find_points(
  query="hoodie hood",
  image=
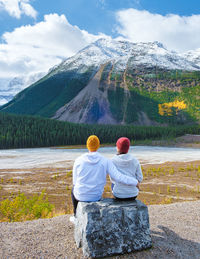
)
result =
(92, 157)
(123, 159)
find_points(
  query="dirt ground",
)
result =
(174, 231)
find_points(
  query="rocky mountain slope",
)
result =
(117, 82)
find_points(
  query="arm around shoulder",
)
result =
(118, 177)
(139, 174)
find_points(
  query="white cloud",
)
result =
(16, 8)
(28, 9)
(180, 33)
(41, 46)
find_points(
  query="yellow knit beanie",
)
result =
(93, 143)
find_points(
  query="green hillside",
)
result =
(47, 95)
(140, 96)
(20, 131)
(147, 89)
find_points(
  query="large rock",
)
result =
(111, 227)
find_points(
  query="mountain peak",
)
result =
(122, 52)
(159, 45)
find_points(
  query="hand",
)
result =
(138, 186)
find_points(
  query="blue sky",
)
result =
(97, 15)
(37, 34)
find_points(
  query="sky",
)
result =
(38, 34)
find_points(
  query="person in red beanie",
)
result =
(128, 165)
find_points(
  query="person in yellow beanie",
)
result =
(93, 143)
(89, 174)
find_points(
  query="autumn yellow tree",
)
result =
(166, 109)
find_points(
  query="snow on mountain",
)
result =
(154, 54)
(193, 56)
(122, 53)
(10, 87)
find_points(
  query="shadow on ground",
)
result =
(168, 245)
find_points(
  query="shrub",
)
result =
(69, 173)
(22, 208)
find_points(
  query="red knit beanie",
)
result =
(123, 145)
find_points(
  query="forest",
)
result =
(25, 131)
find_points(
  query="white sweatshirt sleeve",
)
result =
(139, 174)
(118, 177)
(74, 172)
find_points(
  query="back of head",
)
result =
(123, 145)
(93, 143)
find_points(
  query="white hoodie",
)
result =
(89, 176)
(128, 165)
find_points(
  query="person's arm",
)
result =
(118, 177)
(111, 179)
(74, 172)
(139, 174)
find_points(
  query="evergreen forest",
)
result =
(25, 131)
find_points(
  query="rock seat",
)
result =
(111, 227)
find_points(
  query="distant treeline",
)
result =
(17, 131)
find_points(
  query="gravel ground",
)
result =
(175, 230)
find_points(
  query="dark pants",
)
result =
(126, 199)
(74, 201)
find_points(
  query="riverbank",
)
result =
(187, 140)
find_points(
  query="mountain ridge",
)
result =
(127, 78)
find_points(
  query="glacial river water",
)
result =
(49, 157)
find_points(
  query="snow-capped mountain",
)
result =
(122, 52)
(10, 87)
(111, 81)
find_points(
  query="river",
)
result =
(50, 157)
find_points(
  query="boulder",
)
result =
(110, 227)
